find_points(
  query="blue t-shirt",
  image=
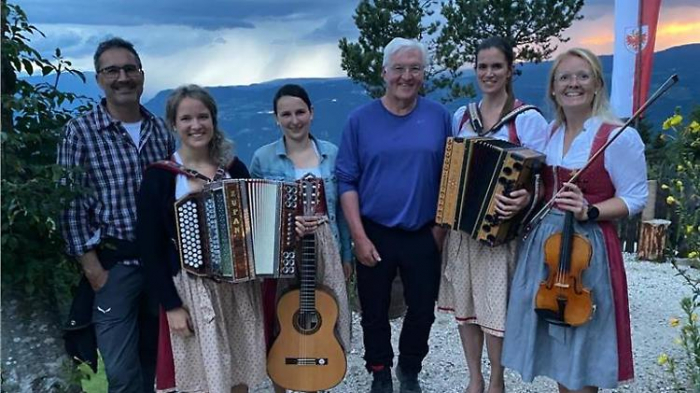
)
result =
(394, 162)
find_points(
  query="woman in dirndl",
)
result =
(597, 354)
(214, 328)
(475, 276)
(293, 156)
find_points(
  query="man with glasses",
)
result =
(388, 168)
(111, 146)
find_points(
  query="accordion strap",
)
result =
(177, 168)
(513, 114)
(473, 116)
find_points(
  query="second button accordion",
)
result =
(474, 171)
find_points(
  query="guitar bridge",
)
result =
(306, 361)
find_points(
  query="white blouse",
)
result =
(530, 126)
(623, 160)
(182, 186)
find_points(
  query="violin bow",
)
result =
(537, 218)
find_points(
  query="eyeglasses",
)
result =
(414, 70)
(582, 77)
(113, 72)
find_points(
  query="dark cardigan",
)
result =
(155, 231)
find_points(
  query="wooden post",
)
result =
(649, 212)
(652, 240)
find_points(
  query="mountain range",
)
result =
(245, 112)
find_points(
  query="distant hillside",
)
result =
(246, 111)
(72, 83)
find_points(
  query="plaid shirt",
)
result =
(112, 167)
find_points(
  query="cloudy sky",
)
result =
(239, 42)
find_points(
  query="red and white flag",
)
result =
(635, 34)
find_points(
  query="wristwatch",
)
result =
(592, 213)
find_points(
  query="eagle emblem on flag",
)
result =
(636, 38)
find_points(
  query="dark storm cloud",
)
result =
(333, 29)
(204, 14)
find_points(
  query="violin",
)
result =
(562, 299)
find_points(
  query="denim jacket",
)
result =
(271, 162)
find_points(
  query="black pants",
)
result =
(415, 255)
(126, 325)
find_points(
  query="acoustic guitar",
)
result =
(306, 356)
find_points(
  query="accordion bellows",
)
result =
(238, 229)
(473, 172)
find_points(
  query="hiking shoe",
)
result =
(409, 381)
(382, 381)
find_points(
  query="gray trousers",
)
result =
(127, 331)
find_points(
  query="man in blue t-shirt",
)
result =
(388, 170)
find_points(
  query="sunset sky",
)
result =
(679, 23)
(238, 42)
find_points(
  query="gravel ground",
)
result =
(655, 293)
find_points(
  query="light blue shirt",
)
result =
(271, 162)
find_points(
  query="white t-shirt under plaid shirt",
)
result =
(110, 166)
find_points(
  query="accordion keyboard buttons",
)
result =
(191, 248)
(290, 201)
(290, 197)
(210, 211)
(288, 262)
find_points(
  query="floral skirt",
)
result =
(475, 281)
(228, 345)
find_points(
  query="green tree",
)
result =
(533, 27)
(379, 21)
(36, 276)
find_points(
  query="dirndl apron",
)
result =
(573, 356)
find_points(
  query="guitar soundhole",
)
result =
(307, 322)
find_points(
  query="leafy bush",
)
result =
(32, 120)
(682, 144)
(682, 164)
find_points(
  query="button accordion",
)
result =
(473, 172)
(238, 229)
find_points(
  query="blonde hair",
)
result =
(601, 105)
(220, 148)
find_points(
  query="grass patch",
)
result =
(93, 382)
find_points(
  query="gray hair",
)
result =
(399, 44)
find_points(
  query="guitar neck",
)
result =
(307, 291)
